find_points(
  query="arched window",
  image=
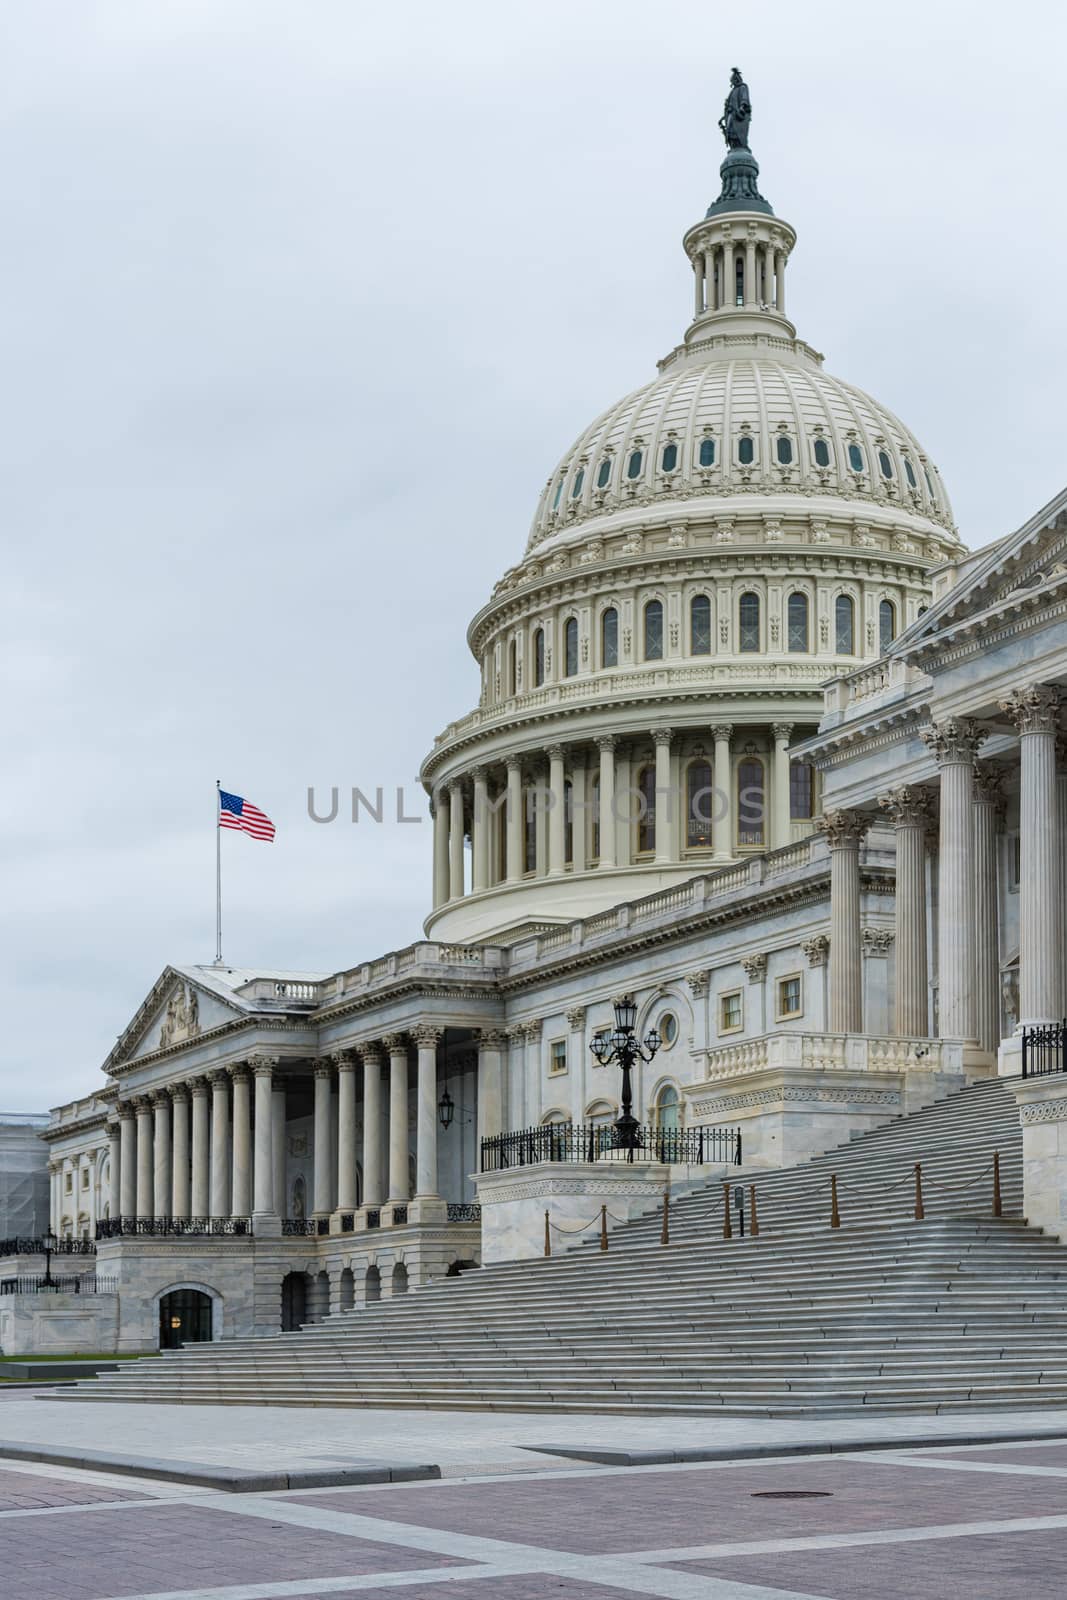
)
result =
(748, 617)
(797, 618)
(700, 625)
(746, 450)
(579, 479)
(801, 790)
(646, 815)
(739, 275)
(822, 453)
(930, 484)
(784, 450)
(844, 625)
(887, 625)
(910, 471)
(884, 463)
(594, 808)
(706, 455)
(512, 667)
(699, 805)
(855, 458)
(750, 802)
(669, 459)
(529, 815)
(609, 638)
(668, 1109)
(603, 476)
(633, 466)
(568, 822)
(570, 647)
(539, 658)
(559, 491)
(654, 630)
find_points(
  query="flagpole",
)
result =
(218, 876)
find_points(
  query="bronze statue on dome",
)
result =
(736, 113)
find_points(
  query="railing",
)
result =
(374, 1219)
(594, 1141)
(464, 1211)
(35, 1247)
(86, 1283)
(299, 1227)
(400, 1215)
(1044, 1049)
(172, 1227)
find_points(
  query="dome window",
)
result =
(633, 466)
(784, 450)
(646, 810)
(797, 618)
(845, 625)
(570, 647)
(750, 801)
(929, 485)
(706, 455)
(910, 470)
(746, 450)
(654, 631)
(609, 638)
(699, 805)
(885, 464)
(700, 625)
(855, 458)
(539, 658)
(556, 496)
(887, 625)
(670, 457)
(604, 474)
(748, 617)
(579, 479)
(801, 791)
(822, 453)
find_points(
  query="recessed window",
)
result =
(700, 625)
(68, 1184)
(646, 810)
(570, 647)
(539, 657)
(512, 667)
(555, 498)
(887, 625)
(654, 631)
(568, 822)
(85, 1177)
(557, 1057)
(789, 996)
(801, 791)
(822, 453)
(731, 1015)
(669, 459)
(784, 450)
(844, 625)
(706, 454)
(529, 813)
(855, 458)
(910, 473)
(885, 465)
(797, 616)
(604, 473)
(609, 638)
(746, 450)
(929, 484)
(633, 466)
(667, 1028)
(748, 618)
(750, 803)
(668, 1108)
(699, 805)
(579, 479)
(594, 806)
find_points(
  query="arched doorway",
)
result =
(348, 1289)
(294, 1301)
(184, 1318)
(372, 1288)
(400, 1278)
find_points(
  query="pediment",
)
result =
(176, 1011)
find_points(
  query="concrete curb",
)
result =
(232, 1480)
(607, 1457)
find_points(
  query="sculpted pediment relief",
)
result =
(176, 1011)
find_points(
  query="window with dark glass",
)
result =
(748, 618)
(910, 471)
(929, 484)
(530, 830)
(594, 806)
(568, 823)
(654, 631)
(844, 625)
(822, 453)
(604, 473)
(699, 804)
(670, 457)
(887, 625)
(801, 790)
(700, 625)
(784, 448)
(559, 491)
(646, 809)
(739, 275)
(885, 464)
(609, 638)
(797, 623)
(570, 647)
(539, 657)
(512, 666)
(668, 1112)
(633, 466)
(746, 450)
(706, 456)
(750, 802)
(855, 458)
(579, 479)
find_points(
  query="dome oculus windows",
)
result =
(700, 625)
(748, 619)
(706, 453)
(604, 473)
(855, 458)
(654, 630)
(822, 453)
(746, 450)
(667, 1028)
(910, 472)
(669, 458)
(579, 479)
(633, 466)
(783, 449)
(885, 464)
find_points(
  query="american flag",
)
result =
(241, 814)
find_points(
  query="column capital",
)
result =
(954, 742)
(698, 982)
(517, 1033)
(1035, 709)
(782, 731)
(513, 763)
(219, 1078)
(142, 1105)
(755, 967)
(722, 730)
(662, 736)
(843, 830)
(426, 1034)
(239, 1072)
(876, 941)
(396, 1043)
(323, 1069)
(493, 1039)
(907, 806)
(554, 752)
(343, 1060)
(532, 1030)
(371, 1052)
(198, 1087)
(576, 1019)
(125, 1110)
(817, 950)
(478, 773)
(178, 1091)
(263, 1066)
(160, 1097)
(989, 785)
(606, 742)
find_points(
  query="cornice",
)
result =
(973, 636)
(269, 1021)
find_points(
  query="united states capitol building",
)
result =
(759, 742)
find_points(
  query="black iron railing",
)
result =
(1044, 1049)
(173, 1227)
(400, 1216)
(67, 1283)
(322, 1226)
(299, 1227)
(464, 1211)
(589, 1141)
(374, 1219)
(35, 1247)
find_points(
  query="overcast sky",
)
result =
(299, 305)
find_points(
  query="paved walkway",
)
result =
(983, 1523)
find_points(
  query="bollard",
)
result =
(665, 1231)
(548, 1235)
(727, 1231)
(603, 1227)
(835, 1215)
(996, 1183)
(753, 1219)
(920, 1214)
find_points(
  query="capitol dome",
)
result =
(708, 554)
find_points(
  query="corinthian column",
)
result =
(665, 796)
(161, 1165)
(606, 746)
(722, 832)
(241, 1189)
(345, 1062)
(557, 817)
(220, 1144)
(455, 841)
(513, 821)
(114, 1142)
(440, 848)
(1035, 711)
(399, 1183)
(127, 1166)
(179, 1201)
(844, 831)
(264, 1201)
(145, 1166)
(988, 812)
(910, 813)
(480, 831)
(372, 1125)
(781, 822)
(323, 1197)
(955, 743)
(426, 1038)
(201, 1190)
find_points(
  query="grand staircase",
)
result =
(958, 1311)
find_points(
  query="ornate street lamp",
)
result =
(446, 1109)
(50, 1243)
(622, 1047)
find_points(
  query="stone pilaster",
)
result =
(606, 748)
(909, 810)
(955, 743)
(114, 1198)
(1035, 712)
(491, 1047)
(514, 845)
(557, 816)
(844, 830)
